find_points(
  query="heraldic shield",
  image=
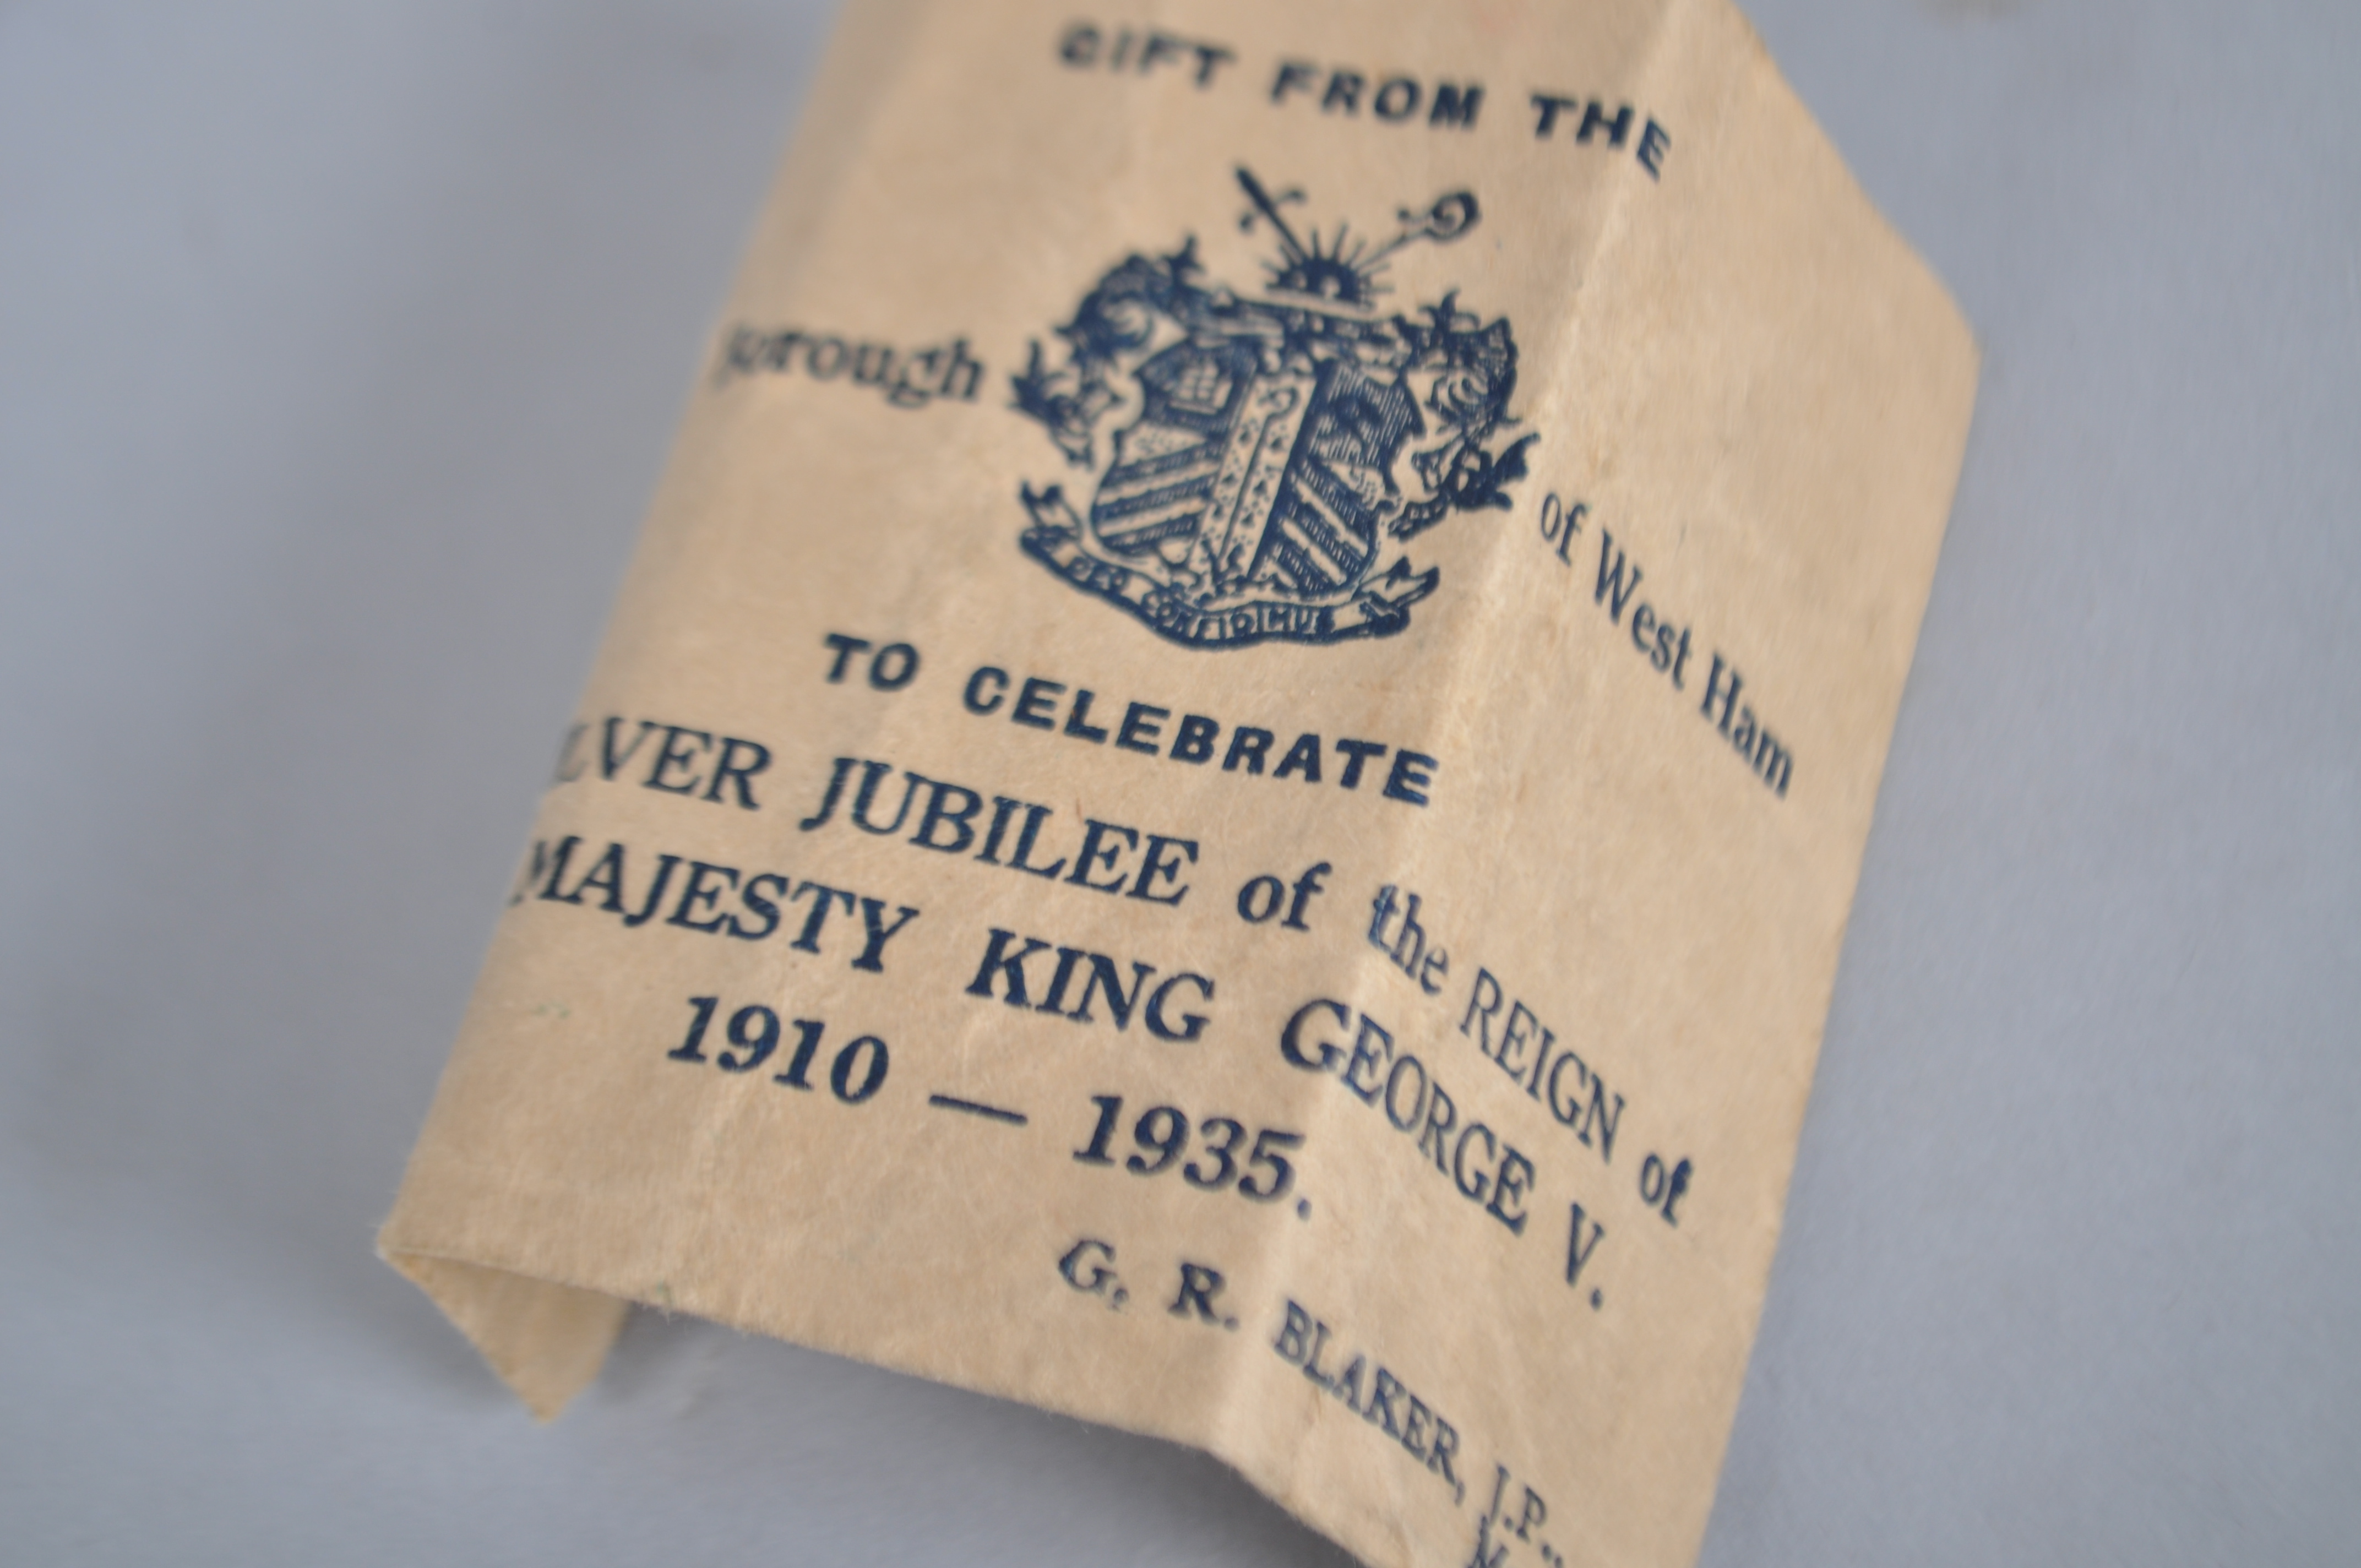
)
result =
(1271, 457)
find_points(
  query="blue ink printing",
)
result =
(1279, 453)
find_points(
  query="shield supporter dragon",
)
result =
(1272, 457)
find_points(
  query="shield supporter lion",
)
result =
(1271, 457)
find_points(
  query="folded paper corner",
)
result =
(546, 1341)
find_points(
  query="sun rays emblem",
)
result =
(1272, 456)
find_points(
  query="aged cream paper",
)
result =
(1225, 794)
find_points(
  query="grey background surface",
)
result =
(339, 349)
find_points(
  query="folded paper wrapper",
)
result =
(1374, 550)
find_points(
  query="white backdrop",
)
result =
(340, 346)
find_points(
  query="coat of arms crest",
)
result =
(1274, 454)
